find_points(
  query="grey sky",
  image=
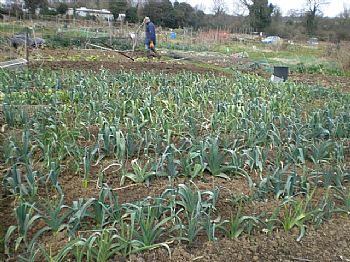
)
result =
(332, 9)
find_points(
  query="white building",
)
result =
(8, 3)
(84, 12)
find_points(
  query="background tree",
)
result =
(131, 14)
(277, 27)
(199, 19)
(168, 16)
(345, 14)
(341, 25)
(219, 7)
(34, 4)
(259, 13)
(313, 8)
(62, 8)
(185, 15)
(118, 7)
(153, 9)
(161, 12)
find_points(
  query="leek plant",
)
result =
(297, 213)
(238, 223)
(140, 174)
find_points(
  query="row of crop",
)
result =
(102, 229)
(154, 154)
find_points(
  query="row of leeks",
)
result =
(103, 228)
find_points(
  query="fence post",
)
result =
(110, 32)
(26, 45)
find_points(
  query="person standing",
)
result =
(150, 39)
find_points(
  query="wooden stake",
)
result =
(26, 46)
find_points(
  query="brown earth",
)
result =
(330, 242)
(340, 82)
(6, 218)
(160, 66)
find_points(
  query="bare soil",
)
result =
(327, 243)
(6, 218)
(340, 82)
(151, 66)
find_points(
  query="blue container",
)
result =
(173, 35)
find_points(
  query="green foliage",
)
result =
(33, 4)
(25, 221)
(140, 174)
(260, 14)
(101, 246)
(323, 69)
(297, 213)
(62, 8)
(175, 15)
(55, 214)
(343, 195)
(118, 7)
(56, 41)
(215, 159)
(131, 15)
(270, 223)
(238, 224)
(24, 185)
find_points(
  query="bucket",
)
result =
(173, 35)
(281, 72)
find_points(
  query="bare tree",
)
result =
(219, 7)
(313, 8)
(245, 3)
(200, 7)
(239, 8)
(345, 14)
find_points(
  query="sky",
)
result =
(332, 9)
